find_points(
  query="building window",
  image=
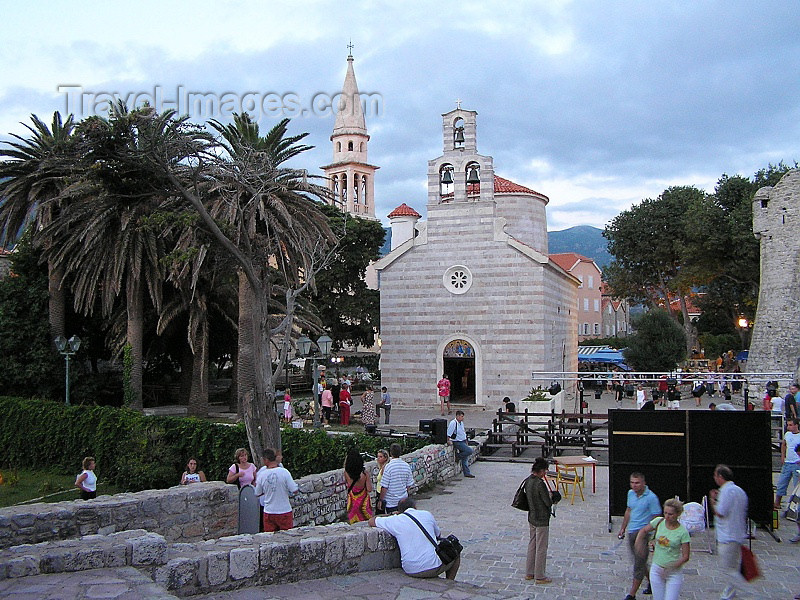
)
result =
(586, 304)
(596, 305)
(585, 329)
(591, 282)
(350, 146)
(581, 278)
(597, 328)
(457, 279)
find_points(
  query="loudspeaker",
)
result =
(439, 432)
(426, 426)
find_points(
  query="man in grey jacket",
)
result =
(540, 503)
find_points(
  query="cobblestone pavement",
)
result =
(125, 583)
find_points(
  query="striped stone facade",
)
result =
(518, 313)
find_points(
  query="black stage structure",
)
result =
(677, 451)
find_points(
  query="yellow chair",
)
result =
(566, 476)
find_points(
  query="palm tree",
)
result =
(108, 240)
(33, 173)
(272, 217)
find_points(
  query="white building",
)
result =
(472, 292)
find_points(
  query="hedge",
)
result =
(137, 452)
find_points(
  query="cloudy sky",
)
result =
(595, 104)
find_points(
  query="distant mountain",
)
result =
(583, 239)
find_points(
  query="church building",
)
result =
(471, 292)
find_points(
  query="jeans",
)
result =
(463, 452)
(665, 583)
(788, 470)
(387, 410)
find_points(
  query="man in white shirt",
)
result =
(417, 552)
(729, 504)
(457, 436)
(789, 458)
(274, 485)
(397, 480)
(385, 404)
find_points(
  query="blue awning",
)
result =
(601, 354)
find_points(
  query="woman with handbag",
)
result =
(540, 503)
(671, 551)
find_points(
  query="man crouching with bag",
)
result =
(416, 533)
(540, 504)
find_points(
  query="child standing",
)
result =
(287, 405)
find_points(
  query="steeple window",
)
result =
(446, 190)
(349, 146)
(472, 179)
(355, 189)
(458, 134)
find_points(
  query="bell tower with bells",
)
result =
(460, 174)
(350, 177)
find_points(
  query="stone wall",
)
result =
(227, 563)
(188, 546)
(775, 346)
(200, 511)
(323, 497)
(180, 514)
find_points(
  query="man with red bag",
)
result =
(729, 504)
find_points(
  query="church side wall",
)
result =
(526, 219)
(511, 310)
(775, 345)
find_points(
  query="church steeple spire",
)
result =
(350, 114)
(350, 176)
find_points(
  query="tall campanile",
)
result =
(350, 177)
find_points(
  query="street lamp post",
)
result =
(319, 349)
(67, 348)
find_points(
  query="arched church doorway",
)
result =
(458, 359)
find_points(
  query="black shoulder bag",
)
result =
(448, 549)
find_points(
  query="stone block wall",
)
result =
(232, 562)
(323, 497)
(179, 514)
(200, 511)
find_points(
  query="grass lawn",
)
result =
(20, 485)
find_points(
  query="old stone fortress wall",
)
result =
(184, 537)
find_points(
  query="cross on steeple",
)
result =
(350, 48)
(458, 104)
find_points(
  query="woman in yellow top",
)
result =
(671, 541)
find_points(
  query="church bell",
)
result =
(447, 177)
(473, 176)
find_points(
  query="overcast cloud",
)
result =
(595, 104)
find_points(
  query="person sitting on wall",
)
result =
(191, 474)
(417, 553)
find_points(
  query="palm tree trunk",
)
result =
(245, 370)
(255, 387)
(56, 300)
(198, 395)
(135, 309)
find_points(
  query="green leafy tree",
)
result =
(647, 242)
(659, 343)
(348, 309)
(29, 366)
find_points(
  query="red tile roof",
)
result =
(567, 260)
(404, 210)
(505, 186)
